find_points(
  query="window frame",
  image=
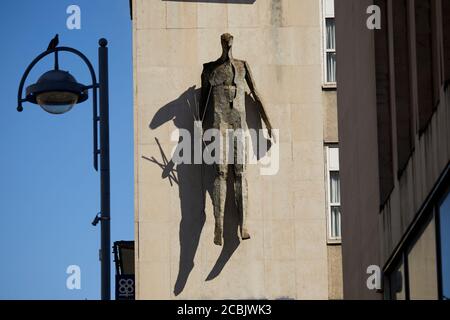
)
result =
(329, 204)
(427, 213)
(324, 16)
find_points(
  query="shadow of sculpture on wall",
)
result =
(215, 1)
(167, 167)
(194, 182)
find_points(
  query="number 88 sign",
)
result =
(124, 287)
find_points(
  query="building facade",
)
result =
(294, 214)
(394, 129)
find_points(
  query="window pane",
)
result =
(335, 189)
(384, 120)
(424, 62)
(446, 34)
(331, 66)
(333, 158)
(402, 79)
(444, 216)
(422, 265)
(397, 283)
(335, 222)
(331, 33)
(329, 8)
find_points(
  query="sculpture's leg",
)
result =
(240, 183)
(219, 197)
(240, 193)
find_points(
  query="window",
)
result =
(415, 277)
(333, 194)
(329, 27)
(422, 267)
(446, 34)
(425, 61)
(444, 222)
(402, 83)
(384, 120)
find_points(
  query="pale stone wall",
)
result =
(330, 128)
(287, 254)
(335, 285)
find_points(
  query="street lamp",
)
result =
(57, 91)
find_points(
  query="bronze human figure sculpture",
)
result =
(223, 99)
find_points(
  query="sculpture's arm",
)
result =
(257, 97)
(251, 82)
(204, 93)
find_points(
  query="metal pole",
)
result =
(105, 254)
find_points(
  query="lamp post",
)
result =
(57, 91)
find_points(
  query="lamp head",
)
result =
(56, 91)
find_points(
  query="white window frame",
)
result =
(324, 16)
(330, 168)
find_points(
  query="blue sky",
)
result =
(49, 191)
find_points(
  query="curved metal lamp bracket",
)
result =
(93, 86)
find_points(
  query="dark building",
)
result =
(394, 133)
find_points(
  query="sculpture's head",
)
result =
(227, 41)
